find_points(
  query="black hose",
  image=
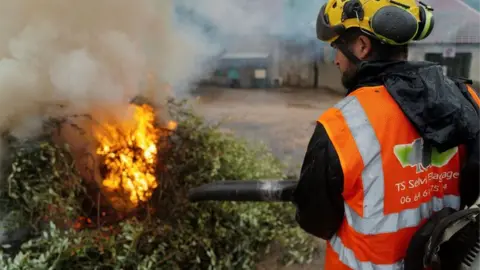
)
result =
(248, 190)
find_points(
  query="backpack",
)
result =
(450, 239)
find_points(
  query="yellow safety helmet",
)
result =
(395, 22)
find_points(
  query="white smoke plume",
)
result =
(95, 54)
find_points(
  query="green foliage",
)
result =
(41, 176)
(179, 235)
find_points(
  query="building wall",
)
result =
(329, 77)
(258, 44)
(417, 53)
(296, 69)
(246, 68)
(298, 73)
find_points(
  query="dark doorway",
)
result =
(458, 66)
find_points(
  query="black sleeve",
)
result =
(469, 185)
(318, 196)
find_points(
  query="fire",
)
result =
(172, 125)
(129, 153)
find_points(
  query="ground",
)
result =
(282, 118)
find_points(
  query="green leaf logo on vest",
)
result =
(422, 156)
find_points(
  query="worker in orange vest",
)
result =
(389, 155)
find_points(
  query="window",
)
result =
(458, 66)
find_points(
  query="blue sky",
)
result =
(473, 3)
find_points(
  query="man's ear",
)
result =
(363, 47)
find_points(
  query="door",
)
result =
(458, 66)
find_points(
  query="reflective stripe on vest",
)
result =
(347, 257)
(368, 228)
(373, 181)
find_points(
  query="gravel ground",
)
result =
(284, 119)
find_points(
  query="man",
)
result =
(390, 154)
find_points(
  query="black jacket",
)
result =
(441, 110)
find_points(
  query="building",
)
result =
(243, 70)
(285, 52)
(304, 60)
(249, 43)
(455, 40)
(289, 55)
(252, 59)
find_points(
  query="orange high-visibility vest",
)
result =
(392, 182)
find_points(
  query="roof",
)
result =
(473, 3)
(455, 22)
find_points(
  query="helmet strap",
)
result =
(341, 45)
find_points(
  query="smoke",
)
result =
(59, 57)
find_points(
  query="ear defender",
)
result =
(394, 25)
(426, 23)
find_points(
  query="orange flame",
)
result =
(172, 125)
(130, 156)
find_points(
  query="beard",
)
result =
(349, 78)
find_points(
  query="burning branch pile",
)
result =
(130, 160)
(130, 157)
(148, 167)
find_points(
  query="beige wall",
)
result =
(296, 69)
(298, 73)
(329, 76)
